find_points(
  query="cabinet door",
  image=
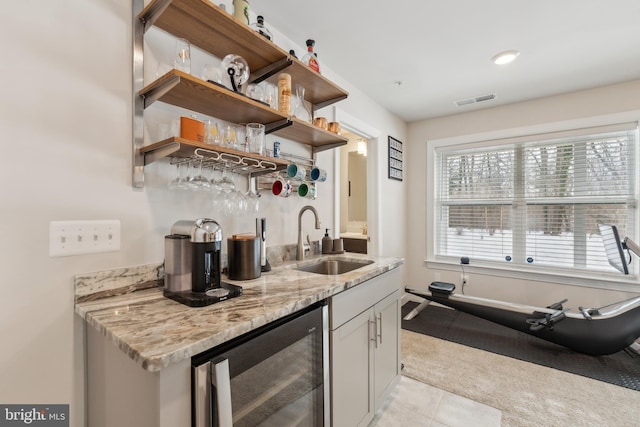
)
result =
(351, 372)
(387, 353)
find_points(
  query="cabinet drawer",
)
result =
(348, 304)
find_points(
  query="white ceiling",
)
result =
(441, 49)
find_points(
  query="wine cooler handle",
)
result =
(221, 382)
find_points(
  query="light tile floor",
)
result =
(413, 403)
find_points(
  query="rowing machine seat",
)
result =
(442, 289)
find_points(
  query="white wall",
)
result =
(585, 107)
(65, 120)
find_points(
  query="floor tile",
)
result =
(456, 411)
(413, 403)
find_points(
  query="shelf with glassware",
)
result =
(240, 162)
(184, 90)
(214, 30)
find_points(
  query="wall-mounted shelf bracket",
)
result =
(277, 125)
(158, 92)
(160, 153)
(323, 104)
(152, 13)
(268, 71)
(318, 149)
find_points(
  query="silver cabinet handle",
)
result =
(380, 328)
(374, 323)
(221, 381)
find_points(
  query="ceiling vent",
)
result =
(475, 100)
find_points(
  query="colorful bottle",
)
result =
(310, 59)
(241, 11)
(260, 28)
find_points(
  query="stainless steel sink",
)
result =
(330, 267)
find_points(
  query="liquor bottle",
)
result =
(310, 59)
(260, 28)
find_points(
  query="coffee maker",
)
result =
(192, 265)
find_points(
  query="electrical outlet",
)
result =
(83, 237)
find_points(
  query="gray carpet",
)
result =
(621, 369)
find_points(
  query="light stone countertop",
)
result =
(127, 306)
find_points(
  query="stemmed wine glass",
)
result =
(216, 188)
(252, 198)
(225, 182)
(180, 182)
(200, 181)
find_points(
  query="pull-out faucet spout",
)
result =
(300, 248)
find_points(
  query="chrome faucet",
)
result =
(300, 248)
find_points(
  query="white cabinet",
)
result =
(387, 346)
(365, 348)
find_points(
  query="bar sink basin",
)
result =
(330, 267)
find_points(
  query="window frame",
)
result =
(604, 280)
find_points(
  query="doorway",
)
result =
(353, 201)
(364, 185)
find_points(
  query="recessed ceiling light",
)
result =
(505, 57)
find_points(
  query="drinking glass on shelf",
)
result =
(229, 136)
(256, 92)
(270, 95)
(241, 140)
(255, 138)
(183, 55)
(301, 110)
(212, 136)
(212, 74)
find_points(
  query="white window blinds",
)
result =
(537, 200)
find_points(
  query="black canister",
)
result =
(243, 256)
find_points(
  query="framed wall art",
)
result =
(395, 159)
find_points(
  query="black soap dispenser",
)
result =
(327, 243)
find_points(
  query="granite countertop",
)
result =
(127, 306)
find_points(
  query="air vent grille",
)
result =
(481, 98)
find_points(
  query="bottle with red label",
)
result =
(310, 59)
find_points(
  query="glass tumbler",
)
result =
(255, 137)
(183, 55)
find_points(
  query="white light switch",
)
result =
(83, 237)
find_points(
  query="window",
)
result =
(536, 201)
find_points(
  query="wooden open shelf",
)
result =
(240, 161)
(215, 31)
(318, 138)
(186, 91)
(210, 28)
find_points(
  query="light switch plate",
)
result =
(83, 237)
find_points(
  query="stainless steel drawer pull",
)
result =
(221, 381)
